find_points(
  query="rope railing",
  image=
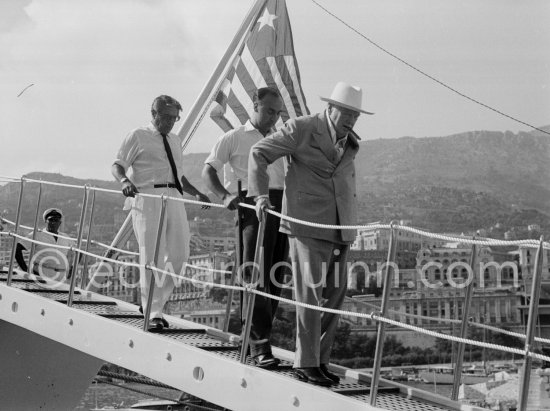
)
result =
(451, 321)
(251, 288)
(372, 315)
(462, 239)
(3, 219)
(491, 346)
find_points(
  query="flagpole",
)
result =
(206, 92)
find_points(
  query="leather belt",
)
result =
(169, 185)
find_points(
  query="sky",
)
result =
(95, 67)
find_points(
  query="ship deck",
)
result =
(190, 357)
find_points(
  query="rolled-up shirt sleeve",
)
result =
(221, 152)
(128, 151)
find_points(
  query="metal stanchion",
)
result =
(238, 259)
(464, 327)
(392, 252)
(147, 309)
(73, 269)
(33, 245)
(88, 238)
(16, 228)
(531, 323)
(250, 297)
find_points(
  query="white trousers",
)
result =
(174, 244)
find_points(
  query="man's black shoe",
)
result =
(164, 322)
(155, 325)
(266, 361)
(313, 375)
(330, 375)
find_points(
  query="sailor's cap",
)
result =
(52, 212)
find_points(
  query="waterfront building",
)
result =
(433, 291)
(201, 267)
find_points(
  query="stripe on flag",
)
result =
(267, 59)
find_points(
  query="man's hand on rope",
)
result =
(262, 205)
(128, 188)
(204, 199)
(231, 201)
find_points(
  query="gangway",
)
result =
(51, 352)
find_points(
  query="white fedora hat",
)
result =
(347, 96)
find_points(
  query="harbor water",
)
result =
(106, 395)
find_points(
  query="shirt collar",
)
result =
(249, 127)
(154, 130)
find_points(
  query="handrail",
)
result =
(463, 330)
(531, 323)
(463, 239)
(251, 291)
(381, 331)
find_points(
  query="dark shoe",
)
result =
(164, 322)
(330, 375)
(313, 375)
(155, 325)
(266, 361)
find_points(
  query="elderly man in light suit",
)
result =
(319, 188)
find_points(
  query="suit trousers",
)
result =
(270, 280)
(174, 244)
(320, 278)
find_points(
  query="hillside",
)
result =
(456, 183)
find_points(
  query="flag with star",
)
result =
(267, 58)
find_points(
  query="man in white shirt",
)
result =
(48, 260)
(231, 152)
(155, 157)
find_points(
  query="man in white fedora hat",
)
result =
(319, 188)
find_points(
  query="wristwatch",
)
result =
(123, 180)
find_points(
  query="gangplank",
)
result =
(51, 352)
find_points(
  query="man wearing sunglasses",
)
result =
(155, 158)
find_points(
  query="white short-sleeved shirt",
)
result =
(49, 256)
(143, 151)
(231, 152)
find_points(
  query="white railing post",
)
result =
(88, 239)
(15, 229)
(238, 259)
(36, 215)
(531, 323)
(147, 309)
(249, 297)
(392, 253)
(73, 269)
(464, 327)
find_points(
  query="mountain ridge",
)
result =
(456, 182)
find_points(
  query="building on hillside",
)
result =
(214, 243)
(210, 316)
(433, 291)
(379, 239)
(123, 282)
(214, 267)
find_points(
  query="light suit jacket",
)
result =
(318, 188)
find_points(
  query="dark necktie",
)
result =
(172, 163)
